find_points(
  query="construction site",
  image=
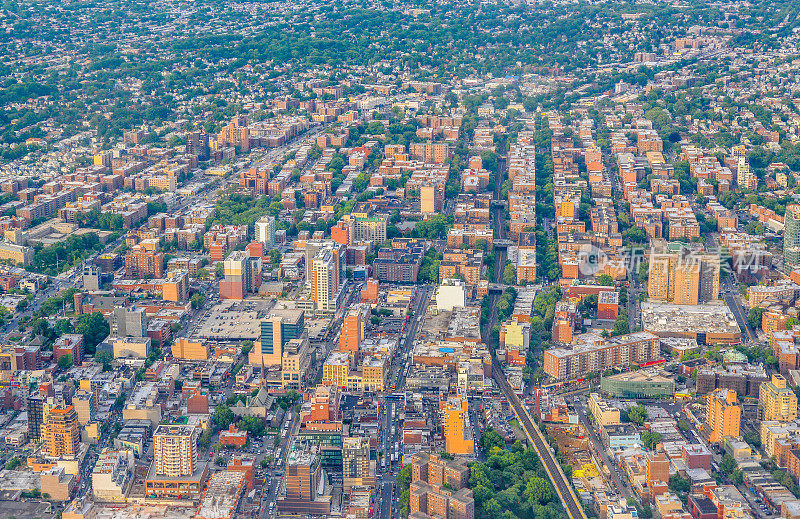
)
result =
(574, 448)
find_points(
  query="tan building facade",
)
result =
(436, 152)
(175, 450)
(590, 352)
(603, 413)
(356, 465)
(723, 415)
(776, 401)
(684, 278)
(62, 432)
(185, 349)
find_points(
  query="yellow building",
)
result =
(654, 157)
(686, 288)
(427, 197)
(723, 414)
(18, 254)
(771, 432)
(776, 401)
(336, 368)
(515, 335)
(603, 413)
(327, 207)
(372, 371)
(668, 504)
(131, 347)
(165, 183)
(565, 208)
(93, 431)
(355, 382)
(457, 430)
(399, 295)
(62, 432)
(103, 158)
(187, 350)
(294, 362)
(175, 450)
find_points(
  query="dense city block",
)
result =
(397, 259)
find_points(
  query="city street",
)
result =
(598, 449)
(257, 203)
(731, 295)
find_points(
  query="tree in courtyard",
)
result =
(727, 465)
(65, 361)
(222, 416)
(94, 329)
(650, 439)
(638, 415)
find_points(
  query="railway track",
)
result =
(563, 488)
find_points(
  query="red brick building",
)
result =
(233, 437)
(197, 403)
(608, 305)
(140, 263)
(69, 344)
(245, 465)
(370, 291)
(159, 330)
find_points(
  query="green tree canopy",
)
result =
(94, 329)
(222, 416)
(728, 464)
(490, 439)
(605, 280)
(510, 275)
(650, 439)
(65, 361)
(638, 415)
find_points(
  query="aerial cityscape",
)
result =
(399, 259)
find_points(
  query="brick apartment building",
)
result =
(429, 495)
(140, 263)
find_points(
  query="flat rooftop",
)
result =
(18, 480)
(28, 509)
(670, 318)
(302, 454)
(198, 475)
(235, 320)
(137, 511)
(679, 343)
(745, 370)
(465, 322)
(222, 494)
(591, 341)
(638, 376)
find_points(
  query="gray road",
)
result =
(730, 294)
